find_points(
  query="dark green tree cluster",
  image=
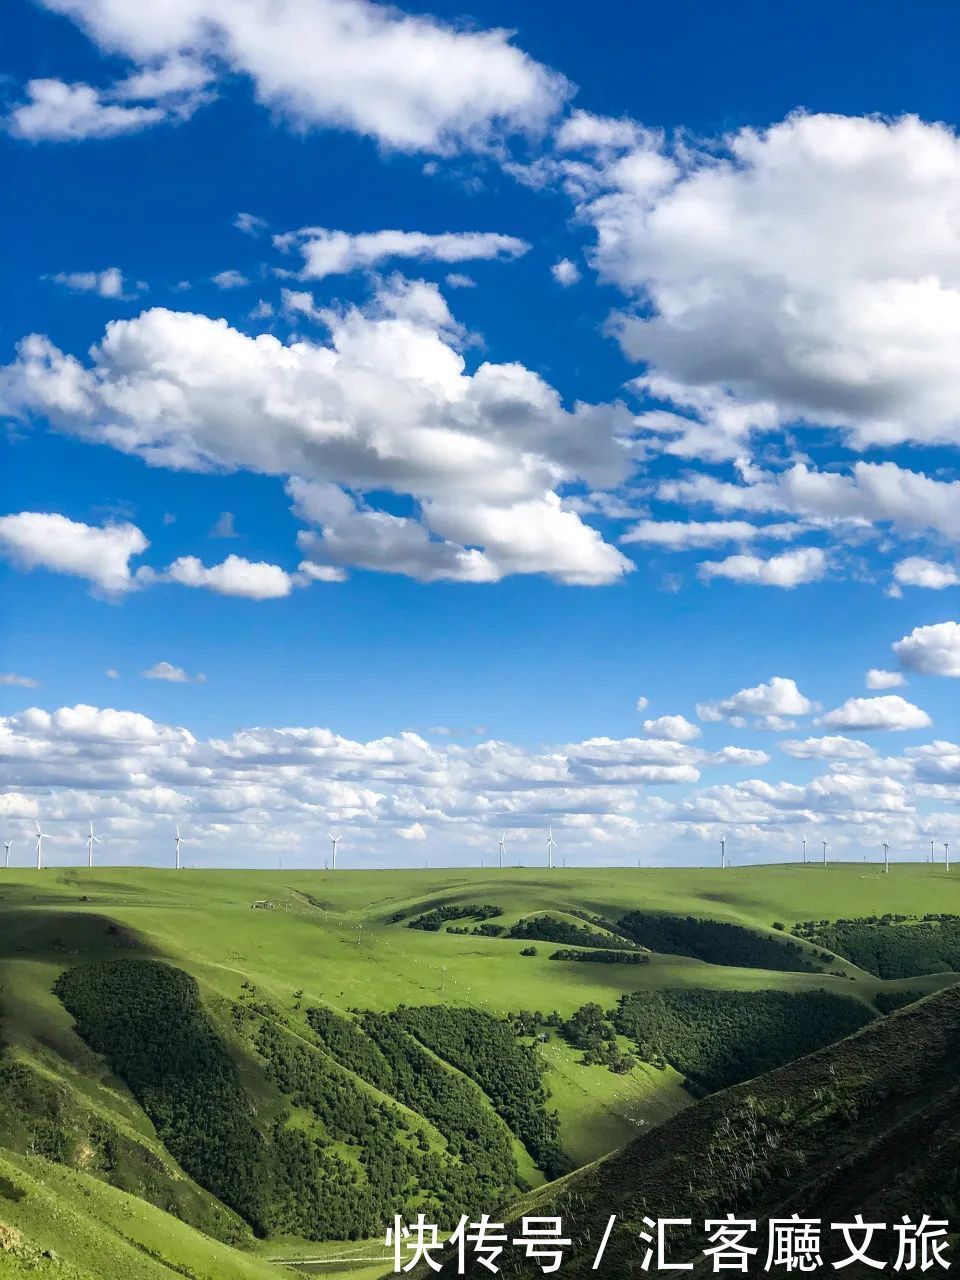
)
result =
(890, 1001)
(146, 1019)
(549, 929)
(714, 941)
(597, 956)
(434, 920)
(589, 1029)
(890, 946)
(510, 1073)
(478, 1166)
(718, 1038)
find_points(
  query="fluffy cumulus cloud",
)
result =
(809, 271)
(805, 564)
(872, 492)
(675, 728)
(326, 252)
(932, 650)
(916, 571)
(170, 88)
(387, 404)
(889, 711)
(107, 283)
(766, 706)
(411, 82)
(100, 554)
(235, 576)
(565, 272)
(260, 791)
(686, 535)
(878, 678)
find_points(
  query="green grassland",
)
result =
(334, 940)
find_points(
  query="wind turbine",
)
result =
(334, 841)
(551, 845)
(502, 843)
(179, 843)
(824, 853)
(804, 848)
(931, 851)
(91, 841)
(7, 846)
(723, 853)
(946, 855)
(41, 836)
(886, 858)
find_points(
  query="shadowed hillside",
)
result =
(870, 1124)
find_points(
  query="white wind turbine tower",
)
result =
(41, 836)
(334, 841)
(7, 846)
(723, 853)
(91, 841)
(501, 843)
(179, 843)
(886, 858)
(946, 855)
(824, 853)
(551, 845)
(804, 848)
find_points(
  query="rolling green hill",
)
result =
(870, 1124)
(278, 1062)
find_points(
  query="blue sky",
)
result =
(407, 398)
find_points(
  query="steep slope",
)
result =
(869, 1124)
(59, 1224)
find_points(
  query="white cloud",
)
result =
(327, 252)
(108, 283)
(916, 571)
(791, 569)
(642, 703)
(252, 580)
(675, 728)
(62, 112)
(12, 679)
(887, 712)
(831, 747)
(102, 555)
(411, 82)
(173, 675)
(932, 651)
(565, 272)
(767, 706)
(224, 526)
(877, 678)
(250, 224)
(457, 280)
(681, 535)
(264, 788)
(387, 404)
(742, 756)
(872, 492)
(806, 272)
(112, 673)
(170, 89)
(230, 279)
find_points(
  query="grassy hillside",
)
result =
(870, 1124)
(343, 1139)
